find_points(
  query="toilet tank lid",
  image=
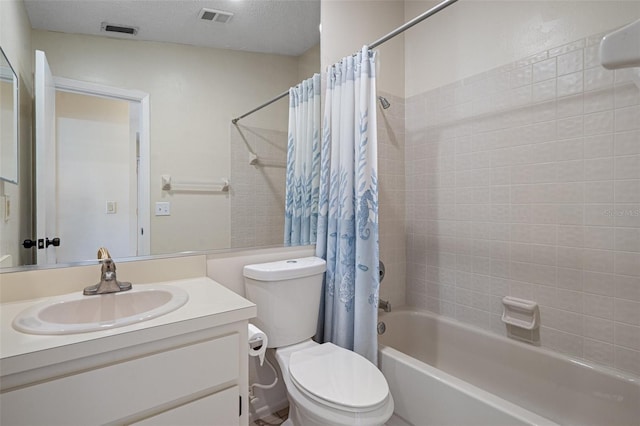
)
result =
(285, 269)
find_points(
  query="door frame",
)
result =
(144, 172)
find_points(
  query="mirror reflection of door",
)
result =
(97, 175)
(45, 168)
(97, 185)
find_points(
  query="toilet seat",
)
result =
(338, 378)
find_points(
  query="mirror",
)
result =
(8, 121)
(198, 75)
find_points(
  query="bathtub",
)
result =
(442, 372)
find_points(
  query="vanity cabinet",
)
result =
(188, 367)
(195, 383)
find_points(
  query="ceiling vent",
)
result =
(215, 15)
(121, 29)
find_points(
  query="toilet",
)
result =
(326, 384)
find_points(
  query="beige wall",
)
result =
(309, 63)
(473, 36)
(347, 25)
(194, 93)
(15, 40)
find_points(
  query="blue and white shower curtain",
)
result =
(348, 214)
(303, 163)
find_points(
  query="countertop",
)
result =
(210, 305)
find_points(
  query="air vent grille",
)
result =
(215, 15)
(114, 28)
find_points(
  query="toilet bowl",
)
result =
(329, 385)
(326, 384)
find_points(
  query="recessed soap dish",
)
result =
(520, 313)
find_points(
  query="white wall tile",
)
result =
(570, 84)
(627, 359)
(571, 127)
(598, 100)
(598, 306)
(598, 328)
(627, 239)
(627, 167)
(598, 146)
(598, 237)
(626, 95)
(600, 352)
(598, 169)
(532, 189)
(592, 57)
(627, 335)
(598, 283)
(570, 279)
(598, 192)
(570, 106)
(627, 263)
(627, 118)
(627, 191)
(627, 287)
(570, 62)
(599, 123)
(544, 90)
(627, 311)
(597, 78)
(544, 70)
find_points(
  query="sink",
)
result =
(76, 313)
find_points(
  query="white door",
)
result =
(97, 182)
(45, 167)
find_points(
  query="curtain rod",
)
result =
(280, 96)
(437, 8)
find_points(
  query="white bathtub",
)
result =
(442, 372)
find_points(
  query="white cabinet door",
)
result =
(118, 393)
(219, 409)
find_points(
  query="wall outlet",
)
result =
(163, 208)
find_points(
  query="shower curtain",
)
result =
(348, 214)
(303, 164)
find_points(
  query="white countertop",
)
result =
(210, 305)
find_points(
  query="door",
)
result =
(97, 185)
(46, 164)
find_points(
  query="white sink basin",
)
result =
(76, 313)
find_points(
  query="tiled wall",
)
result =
(525, 181)
(257, 191)
(391, 172)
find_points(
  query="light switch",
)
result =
(163, 208)
(112, 207)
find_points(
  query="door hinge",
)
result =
(239, 405)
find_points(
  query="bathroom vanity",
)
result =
(188, 366)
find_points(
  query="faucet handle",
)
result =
(103, 254)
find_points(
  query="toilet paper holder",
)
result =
(256, 343)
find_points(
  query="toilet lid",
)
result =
(338, 376)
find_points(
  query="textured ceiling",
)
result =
(287, 27)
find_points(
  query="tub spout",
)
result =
(384, 304)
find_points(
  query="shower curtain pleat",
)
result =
(303, 163)
(348, 205)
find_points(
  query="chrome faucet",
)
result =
(108, 282)
(384, 304)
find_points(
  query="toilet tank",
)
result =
(287, 294)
